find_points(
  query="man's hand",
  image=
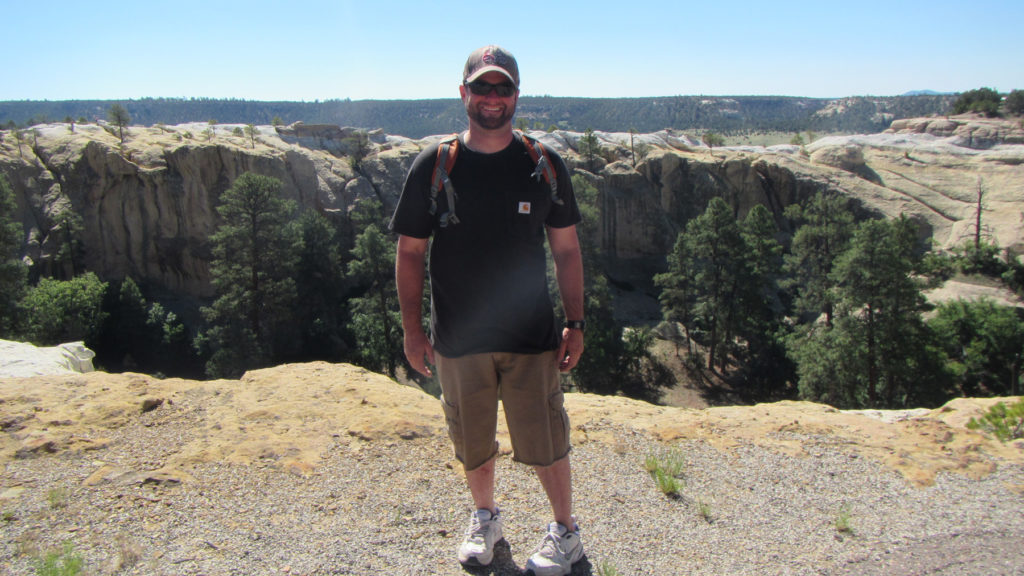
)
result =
(570, 350)
(419, 352)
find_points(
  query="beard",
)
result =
(488, 120)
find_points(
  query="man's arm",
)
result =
(565, 250)
(409, 276)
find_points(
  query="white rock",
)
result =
(23, 360)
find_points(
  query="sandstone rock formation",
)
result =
(291, 414)
(328, 469)
(147, 208)
(21, 359)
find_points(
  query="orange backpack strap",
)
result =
(542, 160)
(447, 152)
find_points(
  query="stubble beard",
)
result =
(490, 121)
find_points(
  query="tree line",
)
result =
(419, 118)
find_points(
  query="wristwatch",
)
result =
(576, 324)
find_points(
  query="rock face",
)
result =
(148, 207)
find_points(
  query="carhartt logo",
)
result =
(524, 207)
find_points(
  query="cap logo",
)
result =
(489, 58)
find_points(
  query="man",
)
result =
(493, 331)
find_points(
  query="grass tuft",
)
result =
(667, 471)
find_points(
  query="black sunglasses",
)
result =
(481, 88)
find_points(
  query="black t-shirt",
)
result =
(488, 272)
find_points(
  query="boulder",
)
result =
(21, 359)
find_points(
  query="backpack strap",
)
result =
(447, 152)
(541, 159)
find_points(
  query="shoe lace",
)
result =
(476, 530)
(551, 546)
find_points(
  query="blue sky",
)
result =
(308, 50)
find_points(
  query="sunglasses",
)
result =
(481, 88)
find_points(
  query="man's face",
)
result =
(490, 111)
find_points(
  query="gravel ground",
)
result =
(399, 507)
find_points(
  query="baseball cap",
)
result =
(491, 59)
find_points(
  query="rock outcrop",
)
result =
(148, 206)
(21, 359)
(292, 414)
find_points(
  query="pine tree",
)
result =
(118, 116)
(376, 320)
(13, 271)
(254, 257)
(879, 353)
(823, 231)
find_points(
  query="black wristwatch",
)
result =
(576, 324)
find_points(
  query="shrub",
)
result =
(1014, 103)
(1004, 422)
(983, 100)
(65, 310)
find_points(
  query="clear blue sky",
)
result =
(378, 49)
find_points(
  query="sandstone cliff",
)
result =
(148, 207)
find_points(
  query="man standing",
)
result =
(493, 331)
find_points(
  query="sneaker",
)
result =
(559, 550)
(477, 549)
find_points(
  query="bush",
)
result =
(65, 310)
(1004, 422)
(983, 100)
(1014, 103)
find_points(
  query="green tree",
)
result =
(70, 250)
(637, 150)
(118, 116)
(376, 320)
(359, 147)
(712, 139)
(714, 243)
(321, 288)
(760, 326)
(255, 251)
(251, 131)
(823, 231)
(983, 100)
(13, 271)
(65, 310)
(678, 293)
(589, 148)
(1014, 102)
(879, 353)
(984, 346)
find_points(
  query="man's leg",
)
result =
(561, 546)
(557, 482)
(470, 399)
(481, 486)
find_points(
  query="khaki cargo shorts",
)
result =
(528, 387)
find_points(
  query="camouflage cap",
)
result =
(491, 59)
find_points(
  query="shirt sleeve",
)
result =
(412, 214)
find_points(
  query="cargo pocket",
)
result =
(454, 425)
(451, 416)
(559, 424)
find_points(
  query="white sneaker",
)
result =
(477, 549)
(559, 550)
